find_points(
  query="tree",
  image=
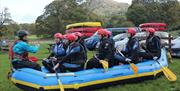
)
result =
(29, 27)
(4, 21)
(58, 14)
(118, 21)
(4, 17)
(166, 11)
(136, 14)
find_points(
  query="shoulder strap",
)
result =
(11, 53)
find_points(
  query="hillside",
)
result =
(107, 7)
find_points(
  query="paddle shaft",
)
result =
(156, 59)
(59, 82)
(122, 55)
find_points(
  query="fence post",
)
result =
(169, 39)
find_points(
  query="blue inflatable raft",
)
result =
(48, 81)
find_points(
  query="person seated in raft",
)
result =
(75, 57)
(105, 51)
(152, 46)
(81, 40)
(58, 51)
(20, 51)
(132, 47)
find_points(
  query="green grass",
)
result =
(160, 84)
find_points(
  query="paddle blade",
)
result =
(105, 64)
(134, 68)
(60, 85)
(169, 74)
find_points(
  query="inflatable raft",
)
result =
(48, 81)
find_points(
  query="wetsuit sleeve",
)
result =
(29, 48)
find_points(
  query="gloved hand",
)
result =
(45, 59)
(55, 67)
(53, 58)
(155, 58)
(128, 60)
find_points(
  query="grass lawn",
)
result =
(160, 84)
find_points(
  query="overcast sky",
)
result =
(26, 11)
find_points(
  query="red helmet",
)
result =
(103, 32)
(108, 33)
(151, 30)
(58, 35)
(132, 31)
(78, 34)
(70, 37)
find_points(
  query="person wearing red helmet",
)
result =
(80, 37)
(58, 51)
(75, 55)
(80, 40)
(152, 45)
(132, 46)
(105, 51)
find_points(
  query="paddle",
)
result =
(59, 81)
(104, 63)
(133, 66)
(167, 72)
